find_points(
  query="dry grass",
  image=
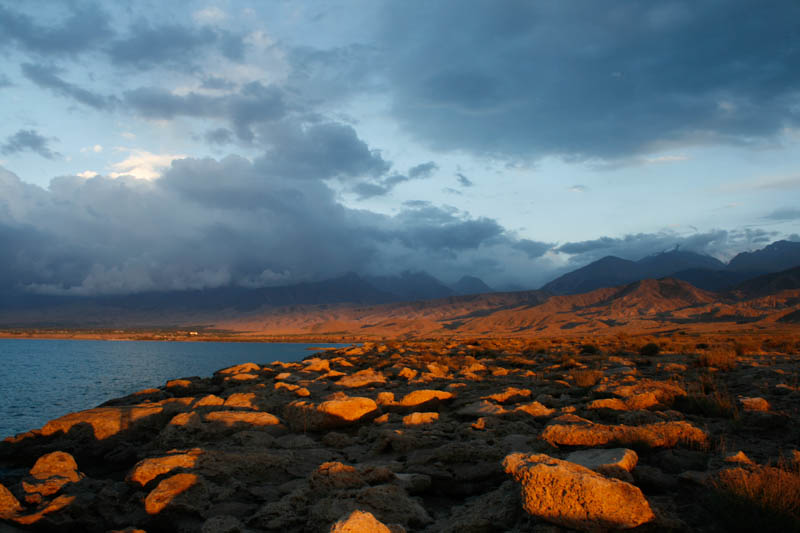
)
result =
(766, 498)
(707, 398)
(721, 357)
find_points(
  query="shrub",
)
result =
(650, 348)
(764, 499)
(589, 349)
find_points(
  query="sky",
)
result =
(196, 144)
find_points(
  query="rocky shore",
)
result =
(438, 437)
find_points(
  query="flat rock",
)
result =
(660, 434)
(245, 418)
(339, 412)
(612, 462)
(425, 398)
(104, 421)
(362, 378)
(571, 495)
(149, 469)
(166, 491)
(419, 419)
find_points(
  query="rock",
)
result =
(166, 491)
(407, 373)
(425, 399)
(740, 458)
(9, 504)
(418, 419)
(242, 418)
(654, 479)
(612, 462)
(104, 421)
(147, 470)
(389, 503)
(754, 404)
(509, 395)
(49, 475)
(481, 408)
(315, 364)
(242, 399)
(244, 368)
(59, 464)
(614, 404)
(223, 524)
(574, 496)
(661, 434)
(362, 378)
(339, 412)
(361, 522)
(535, 409)
(209, 400)
(497, 510)
(335, 475)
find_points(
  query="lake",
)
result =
(42, 379)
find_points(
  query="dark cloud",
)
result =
(28, 140)
(171, 44)
(598, 80)
(463, 180)
(533, 249)
(45, 77)
(718, 243)
(219, 136)
(786, 213)
(385, 184)
(254, 103)
(209, 223)
(423, 170)
(322, 150)
(84, 28)
(4, 81)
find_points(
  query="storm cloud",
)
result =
(210, 223)
(592, 80)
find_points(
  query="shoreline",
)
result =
(431, 436)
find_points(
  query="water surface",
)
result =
(42, 379)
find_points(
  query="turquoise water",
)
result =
(44, 379)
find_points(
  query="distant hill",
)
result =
(410, 286)
(644, 305)
(702, 271)
(767, 284)
(470, 285)
(779, 255)
(610, 271)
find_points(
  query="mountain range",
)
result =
(702, 271)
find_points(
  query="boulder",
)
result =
(337, 412)
(362, 522)
(9, 504)
(509, 395)
(573, 496)
(49, 475)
